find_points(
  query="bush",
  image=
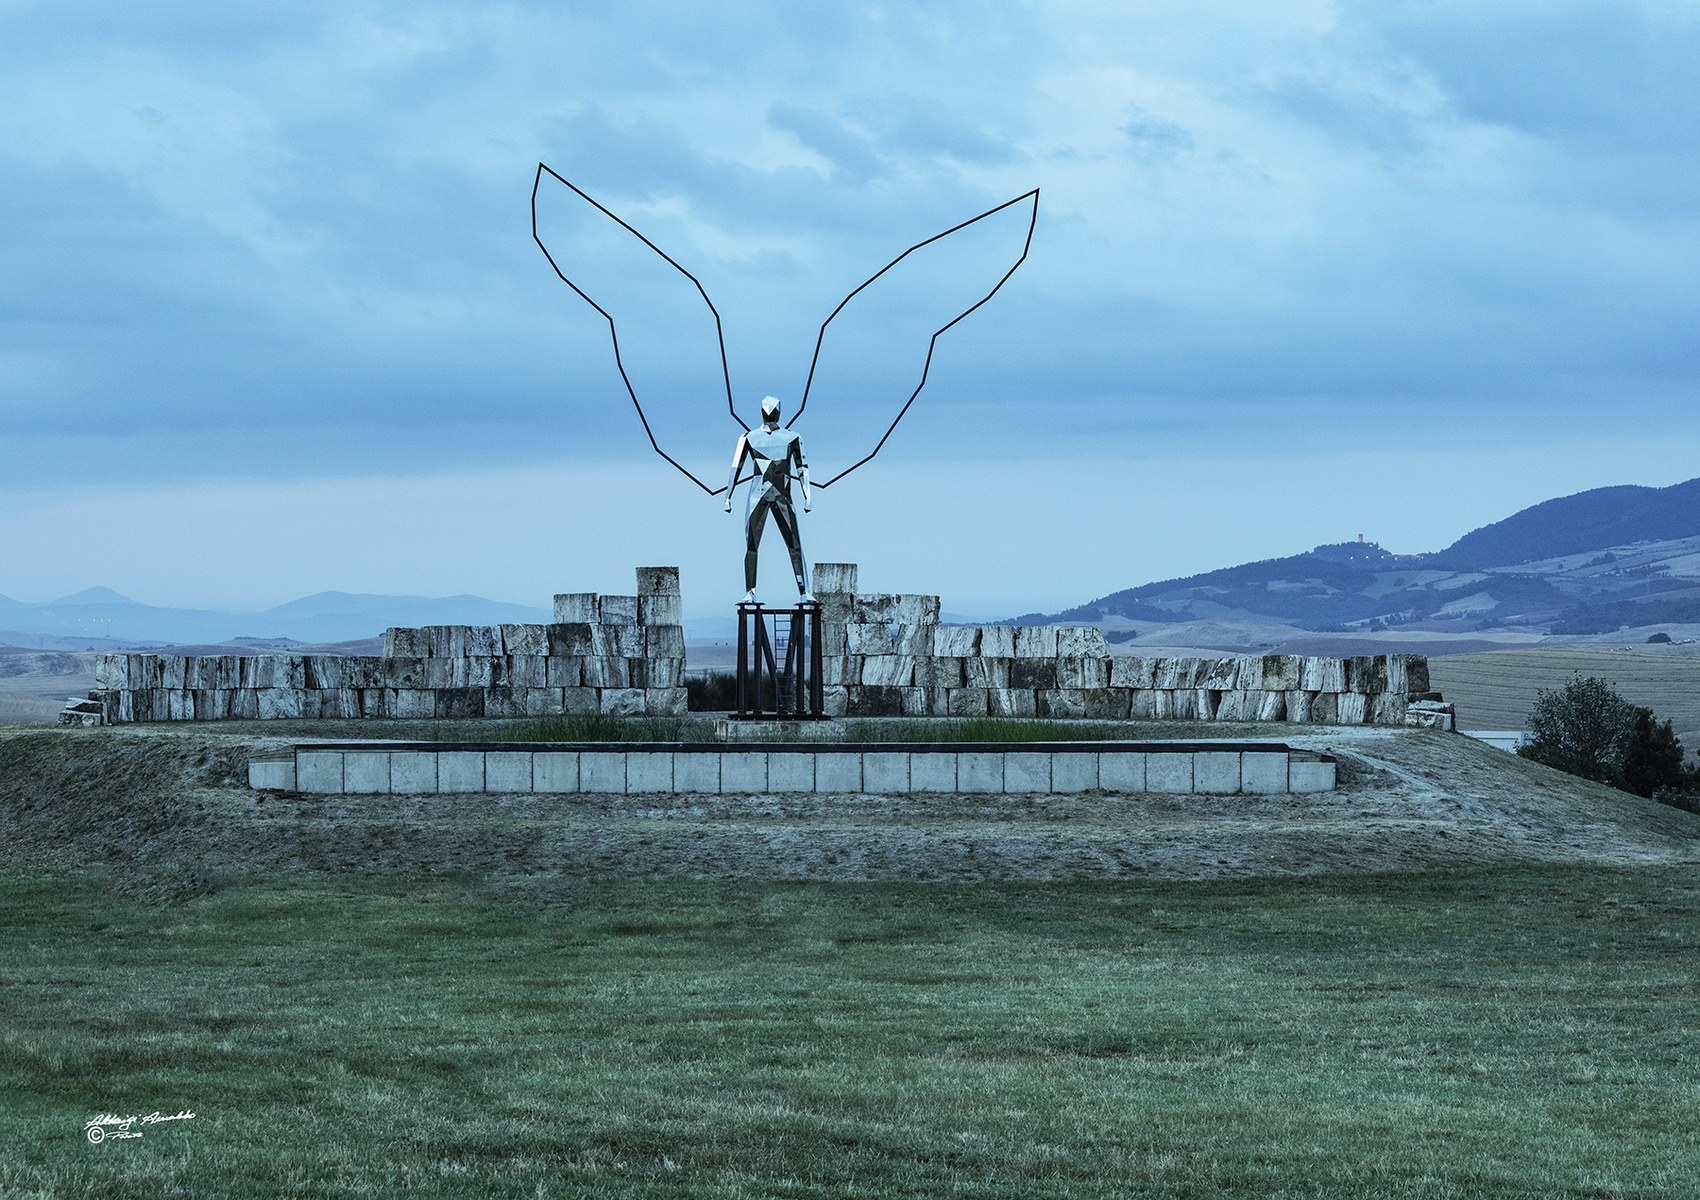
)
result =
(1652, 760)
(713, 692)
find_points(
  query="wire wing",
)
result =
(613, 331)
(1032, 221)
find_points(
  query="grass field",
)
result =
(1505, 1033)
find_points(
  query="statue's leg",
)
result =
(785, 517)
(753, 522)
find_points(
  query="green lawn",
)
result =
(1493, 1034)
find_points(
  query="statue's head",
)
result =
(770, 410)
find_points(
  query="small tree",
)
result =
(1583, 728)
(1652, 758)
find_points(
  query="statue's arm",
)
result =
(739, 453)
(802, 469)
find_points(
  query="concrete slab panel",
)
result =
(1263, 774)
(277, 775)
(602, 771)
(696, 772)
(1216, 772)
(743, 772)
(460, 770)
(1121, 771)
(1026, 771)
(413, 772)
(977, 772)
(554, 771)
(838, 772)
(649, 771)
(318, 771)
(507, 771)
(366, 771)
(935, 772)
(790, 772)
(1310, 777)
(885, 771)
(1074, 772)
(1169, 774)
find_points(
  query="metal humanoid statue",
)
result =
(772, 452)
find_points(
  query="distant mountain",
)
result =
(1583, 564)
(94, 595)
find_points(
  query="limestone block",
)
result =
(1322, 674)
(664, 641)
(838, 772)
(622, 701)
(543, 701)
(581, 699)
(1310, 776)
(192, 673)
(913, 639)
(978, 772)
(1083, 672)
(142, 702)
(405, 643)
(1271, 706)
(986, 672)
(1185, 701)
(555, 771)
(834, 577)
(291, 670)
(604, 640)
(967, 702)
(173, 672)
(318, 771)
(790, 772)
(1280, 672)
(483, 641)
(888, 670)
(956, 641)
(666, 701)
(339, 704)
(630, 640)
(1208, 701)
(1163, 704)
(145, 671)
(208, 702)
(934, 771)
(528, 670)
(661, 610)
(1131, 671)
(649, 771)
(1121, 771)
(916, 701)
(997, 641)
(1142, 704)
(1388, 708)
(1062, 703)
(1223, 674)
(1085, 641)
(663, 673)
(398, 672)
(837, 670)
(275, 703)
(834, 637)
(576, 608)
(1407, 673)
(564, 671)
(606, 671)
(373, 703)
(1325, 708)
(917, 610)
(743, 772)
(1074, 772)
(403, 703)
(1012, 702)
(472, 672)
(1035, 641)
(885, 772)
(525, 639)
(1107, 704)
(1037, 673)
(865, 701)
(439, 672)
(602, 771)
(1216, 772)
(571, 639)
(658, 581)
(460, 703)
(228, 672)
(366, 772)
(835, 700)
(1354, 708)
(1366, 674)
(938, 672)
(868, 639)
(1429, 714)
(244, 706)
(1298, 706)
(179, 704)
(1026, 771)
(695, 772)
(1237, 706)
(1263, 774)
(502, 701)
(364, 671)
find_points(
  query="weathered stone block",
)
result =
(564, 672)
(913, 639)
(1035, 641)
(917, 610)
(1407, 673)
(555, 771)
(173, 673)
(1121, 771)
(661, 610)
(1062, 703)
(865, 701)
(1026, 771)
(841, 670)
(1209, 701)
(873, 608)
(528, 670)
(664, 673)
(1083, 672)
(658, 581)
(956, 641)
(888, 670)
(868, 639)
(1388, 708)
(1366, 674)
(622, 701)
(1084, 641)
(1038, 674)
(1222, 674)
(403, 703)
(664, 641)
(501, 701)
(629, 640)
(916, 701)
(618, 610)
(835, 700)
(1322, 674)
(1354, 708)
(543, 702)
(1142, 704)
(472, 672)
(483, 641)
(571, 640)
(1163, 704)
(1236, 706)
(666, 701)
(1107, 704)
(1131, 671)
(834, 637)
(834, 578)
(1185, 701)
(1325, 708)
(1298, 706)
(606, 671)
(1169, 774)
(244, 705)
(576, 608)
(525, 639)
(439, 673)
(276, 704)
(340, 704)
(1012, 702)
(581, 699)
(986, 672)
(938, 672)
(966, 702)
(790, 772)
(1271, 706)
(997, 641)
(406, 643)
(1280, 672)
(398, 672)
(462, 703)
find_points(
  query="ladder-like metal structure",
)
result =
(779, 664)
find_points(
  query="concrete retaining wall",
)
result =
(713, 769)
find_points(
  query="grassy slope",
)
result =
(1500, 1034)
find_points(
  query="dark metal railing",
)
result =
(779, 663)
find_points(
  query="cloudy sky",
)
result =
(272, 321)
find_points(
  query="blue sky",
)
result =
(272, 322)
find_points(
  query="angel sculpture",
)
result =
(774, 454)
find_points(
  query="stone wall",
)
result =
(611, 654)
(887, 655)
